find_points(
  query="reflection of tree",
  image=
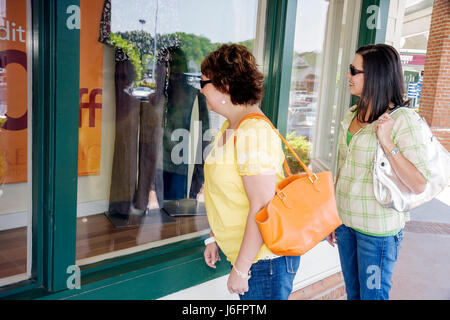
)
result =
(195, 47)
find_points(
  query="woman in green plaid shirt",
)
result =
(370, 236)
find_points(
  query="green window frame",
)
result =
(55, 103)
(372, 35)
(152, 273)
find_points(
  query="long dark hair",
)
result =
(383, 81)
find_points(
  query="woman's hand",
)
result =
(237, 284)
(211, 254)
(383, 129)
(407, 173)
(332, 239)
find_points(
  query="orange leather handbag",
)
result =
(303, 211)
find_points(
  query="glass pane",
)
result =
(15, 134)
(144, 127)
(305, 79)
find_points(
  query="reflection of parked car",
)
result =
(302, 119)
(301, 98)
(142, 93)
(193, 79)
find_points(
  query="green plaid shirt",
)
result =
(355, 199)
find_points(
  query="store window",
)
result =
(15, 141)
(319, 92)
(144, 128)
(305, 78)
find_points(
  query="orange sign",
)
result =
(13, 90)
(91, 72)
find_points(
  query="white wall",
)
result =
(395, 22)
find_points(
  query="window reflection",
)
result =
(146, 186)
(15, 133)
(305, 79)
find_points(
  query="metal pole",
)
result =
(154, 49)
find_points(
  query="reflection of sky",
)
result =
(217, 20)
(310, 26)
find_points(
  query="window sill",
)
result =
(145, 275)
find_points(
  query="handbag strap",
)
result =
(394, 110)
(286, 166)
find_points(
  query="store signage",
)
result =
(13, 91)
(412, 59)
(414, 90)
(14, 88)
(10, 30)
(91, 83)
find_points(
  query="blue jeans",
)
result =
(367, 263)
(272, 279)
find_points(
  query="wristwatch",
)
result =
(392, 153)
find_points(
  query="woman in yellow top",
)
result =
(241, 172)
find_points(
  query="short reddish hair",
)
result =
(232, 69)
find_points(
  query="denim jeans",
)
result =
(367, 263)
(272, 279)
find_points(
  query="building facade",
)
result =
(103, 130)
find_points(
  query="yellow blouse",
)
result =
(258, 150)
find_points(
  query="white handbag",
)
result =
(390, 191)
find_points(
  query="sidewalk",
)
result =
(422, 271)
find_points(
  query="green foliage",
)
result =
(195, 48)
(131, 50)
(301, 146)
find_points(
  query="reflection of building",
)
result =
(416, 24)
(303, 96)
(303, 73)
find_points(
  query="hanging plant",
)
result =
(131, 51)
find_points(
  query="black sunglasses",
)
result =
(354, 71)
(204, 83)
